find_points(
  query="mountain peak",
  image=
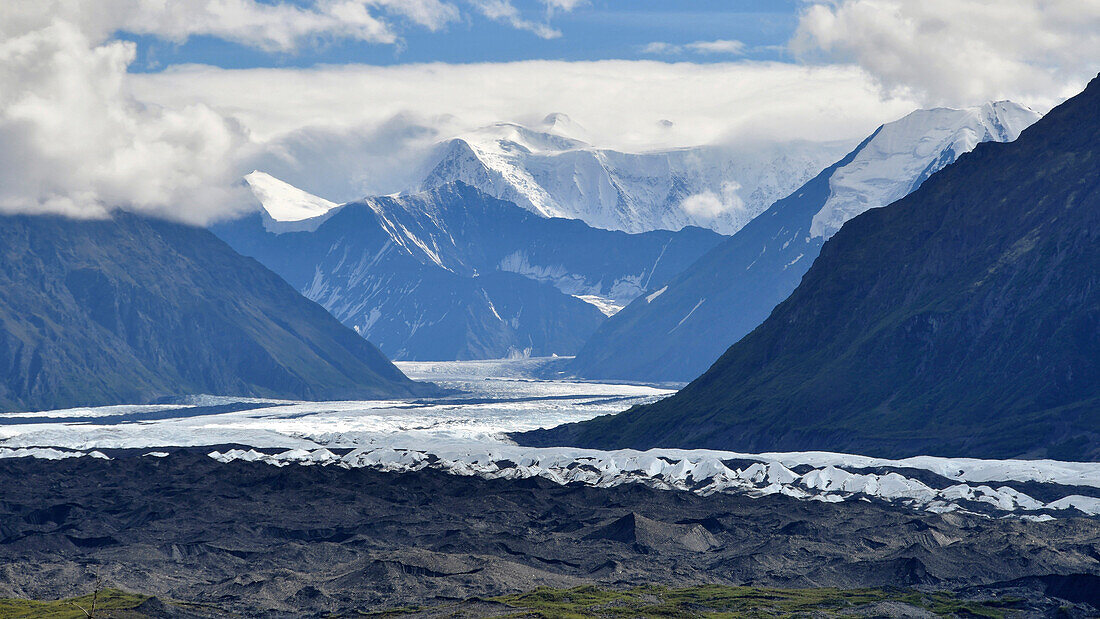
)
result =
(911, 149)
(286, 204)
(561, 124)
(960, 320)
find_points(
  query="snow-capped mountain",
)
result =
(551, 171)
(906, 152)
(963, 319)
(287, 208)
(456, 274)
(676, 333)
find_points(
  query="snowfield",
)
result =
(464, 434)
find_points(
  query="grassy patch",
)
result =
(720, 602)
(111, 603)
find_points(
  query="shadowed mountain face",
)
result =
(677, 334)
(963, 319)
(454, 273)
(131, 309)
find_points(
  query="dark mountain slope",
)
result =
(131, 309)
(454, 273)
(962, 320)
(677, 334)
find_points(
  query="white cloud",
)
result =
(80, 135)
(505, 12)
(661, 47)
(271, 27)
(621, 103)
(72, 138)
(961, 51)
(344, 132)
(564, 5)
(74, 143)
(347, 163)
(721, 46)
(712, 204)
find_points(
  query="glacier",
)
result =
(466, 434)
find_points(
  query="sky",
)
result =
(161, 106)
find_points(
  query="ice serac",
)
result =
(962, 320)
(131, 309)
(551, 171)
(677, 335)
(454, 273)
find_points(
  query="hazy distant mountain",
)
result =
(131, 309)
(549, 170)
(456, 274)
(962, 320)
(678, 332)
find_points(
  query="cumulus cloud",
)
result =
(74, 143)
(74, 140)
(960, 51)
(271, 27)
(712, 204)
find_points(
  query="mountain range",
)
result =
(453, 273)
(963, 319)
(550, 170)
(676, 333)
(131, 309)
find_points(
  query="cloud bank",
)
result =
(344, 131)
(79, 135)
(619, 102)
(960, 52)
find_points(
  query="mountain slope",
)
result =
(456, 274)
(131, 309)
(963, 319)
(548, 171)
(678, 334)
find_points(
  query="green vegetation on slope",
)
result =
(717, 601)
(711, 602)
(110, 603)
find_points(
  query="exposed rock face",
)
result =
(131, 309)
(962, 320)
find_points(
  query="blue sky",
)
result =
(596, 30)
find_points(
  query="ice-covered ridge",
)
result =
(701, 472)
(549, 170)
(902, 154)
(288, 208)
